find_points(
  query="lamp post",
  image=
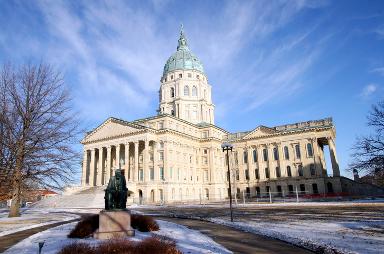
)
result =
(228, 147)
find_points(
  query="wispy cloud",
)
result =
(380, 32)
(379, 70)
(368, 90)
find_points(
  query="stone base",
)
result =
(114, 223)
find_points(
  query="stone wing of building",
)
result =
(112, 128)
(260, 131)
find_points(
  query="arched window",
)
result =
(286, 152)
(300, 170)
(186, 91)
(289, 173)
(309, 150)
(172, 92)
(298, 153)
(278, 173)
(275, 153)
(194, 91)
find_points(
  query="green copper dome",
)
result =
(183, 58)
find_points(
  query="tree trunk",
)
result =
(16, 185)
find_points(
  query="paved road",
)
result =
(239, 241)
(8, 241)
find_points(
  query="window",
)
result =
(309, 150)
(279, 190)
(161, 125)
(237, 175)
(172, 92)
(255, 155)
(151, 174)
(248, 192)
(290, 189)
(300, 170)
(265, 154)
(289, 172)
(247, 174)
(297, 149)
(197, 76)
(266, 172)
(315, 189)
(278, 173)
(189, 75)
(180, 75)
(302, 188)
(257, 191)
(194, 91)
(161, 156)
(329, 187)
(206, 175)
(286, 152)
(267, 189)
(141, 175)
(257, 175)
(312, 169)
(170, 172)
(245, 157)
(186, 91)
(162, 173)
(275, 153)
(171, 76)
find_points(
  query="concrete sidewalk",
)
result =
(238, 241)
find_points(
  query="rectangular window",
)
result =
(206, 175)
(237, 175)
(302, 188)
(275, 153)
(180, 75)
(286, 152)
(265, 154)
(170, 172)
(314, 188)
(161, 125)
(151, 174)
(257, 191)
(298, 153)
(247, 174)
(189, 75)
(255, 155)
(290, 189)
(162, 173)
(205, 160)
(300, 170)
(266, 172)
(309, 150)
(257, 175)
(245, 157)
(141, 175)
(161, 156)
(312, 169)
(278, 173)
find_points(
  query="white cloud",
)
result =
(380, 32)
(368, 90)
(379, 70)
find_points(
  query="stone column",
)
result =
(155, 162)
(145, 160)
(109, 163)
(92, 169)
(136, 173)
(166, 161)
(85, 165)
(102, 165)
(334, 161)
(99, 167)
(117, 161)
(126, 161)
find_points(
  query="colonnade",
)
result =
(135, 159)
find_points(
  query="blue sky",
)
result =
(269, 62)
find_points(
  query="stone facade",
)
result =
(176, 155)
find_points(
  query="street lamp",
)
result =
(228, 147)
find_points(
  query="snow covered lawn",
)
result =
(31, 218)
(187, 240)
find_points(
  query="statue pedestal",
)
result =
(114, 223)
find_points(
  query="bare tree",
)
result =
(38, 131)
(368, 156)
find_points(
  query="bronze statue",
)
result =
(116, 192)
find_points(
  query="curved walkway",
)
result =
(239, 241)
(8, 241)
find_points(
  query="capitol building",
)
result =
(176, 155)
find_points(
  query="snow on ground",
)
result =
(31, 218)
(187, 240)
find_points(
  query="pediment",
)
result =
(260, 131)
(111, 128)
